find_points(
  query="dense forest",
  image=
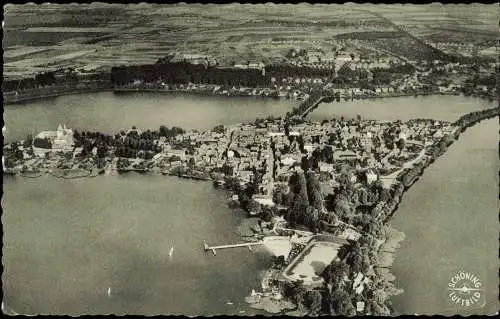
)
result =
(55, 78)
(184, 72)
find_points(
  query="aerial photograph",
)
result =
(250, 159)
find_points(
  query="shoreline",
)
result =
(390, 207)
(405, 264)
(389, 248)
(386, 252)
(56, 172)
(11, 99)
(62, 173)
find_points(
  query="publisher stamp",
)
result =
(465, 289)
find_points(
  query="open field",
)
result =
(48, 60)
(312, 262)
(70, 29)
(22, 51)
(232, 32)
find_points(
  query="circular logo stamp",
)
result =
(465, 289)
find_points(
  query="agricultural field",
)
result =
(53, 35)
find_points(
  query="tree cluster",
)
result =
(474, 117)
(282, 71)
(324, 154)
(168, 132)
(219, 129)
(306, 201)
(131, 145)
(49, 78)
(340, 298)
(42, 143)
(363, 208)
(184, 72)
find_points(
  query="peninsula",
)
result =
(318, 195)
(323, 191)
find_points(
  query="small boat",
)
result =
(229, 303)
(109, 291)
(171, 251)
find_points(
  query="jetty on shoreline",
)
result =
(214, 248)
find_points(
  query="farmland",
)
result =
(60, 35)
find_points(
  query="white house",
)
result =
(343, 58)
(325, 167)
(158, 156)
(353, 178)
(359, 283)
(179, 153)
(245, 176)
(370, 177)
(309, 148)
(288, 161)
(483, 88)
(263, 200)
(274, 134)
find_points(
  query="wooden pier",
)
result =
(214, 248)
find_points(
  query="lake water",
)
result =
(108, 112)
(450, 219)
(439, 107)
(67, 241)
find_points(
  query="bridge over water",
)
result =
(313, 101)
(320, 96)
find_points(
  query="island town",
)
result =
(318, 195)
(321, 193)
